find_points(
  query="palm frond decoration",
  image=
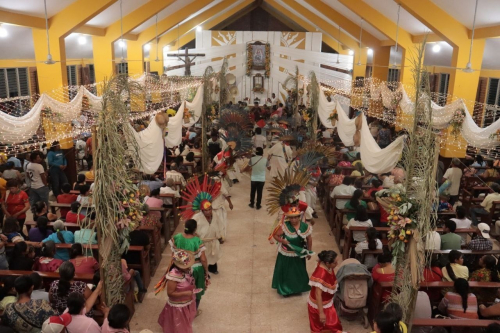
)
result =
(239, 141)
(283, 186)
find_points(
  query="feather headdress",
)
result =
(311, 154)
(239, 141)
(235, 120)
(283, 187)
(198, 196)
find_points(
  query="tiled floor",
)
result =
(240, 298)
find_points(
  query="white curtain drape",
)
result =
(346, 128)
(175, 123)
(325, 108)
(477, 136)
(375, 159)
(150, 143)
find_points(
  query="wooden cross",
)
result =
(187, 61)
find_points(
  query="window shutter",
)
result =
(492, 92)
(478, 113)
(92, 73)
(23, 81)
(3, 85)
(33, 81)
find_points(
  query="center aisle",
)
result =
(240, 298)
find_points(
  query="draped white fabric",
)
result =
(150, 143)
(175, 123)
(19, 129)
(477, 136)
(346, 127)
(375, 159)
(325, 108)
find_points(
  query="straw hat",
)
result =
(183, 259)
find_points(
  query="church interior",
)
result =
(220, 166)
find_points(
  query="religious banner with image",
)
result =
(259, 58)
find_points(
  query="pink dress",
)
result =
(179, 312)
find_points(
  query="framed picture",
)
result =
(258, 58)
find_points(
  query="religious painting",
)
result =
(258, 58)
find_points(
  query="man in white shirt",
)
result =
(486, 205)
(175, 175)
(168, 189)
(274, 99)
(454, 175)
(433, 239)
(80, 146)
(38, 178)
(344, 189)
(258, 140)
(462, 222)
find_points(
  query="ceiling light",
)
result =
(147, 47)
(122, 43)
(351, 52)
(82, 40)
(199, 28)
(369, 52)
(3, 32)
(436, 48)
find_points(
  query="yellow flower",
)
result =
(401, 237)
(408, 232)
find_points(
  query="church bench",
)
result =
(349, 233)
(55, 206)
(49, 277)
(453, 322)
(69, 226)
(171, 210)
(376, 303)
(143, 266)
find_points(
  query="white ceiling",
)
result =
(491, 60)
(488, 11)
(179, 4)
(441, 58)
(35, 7)
(11, 48)
(112, 13)
(389, 9)
(335, 4)
(76, 51)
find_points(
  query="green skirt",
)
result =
(290, 275)
(199, 280)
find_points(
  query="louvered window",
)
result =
(14, 82)
(72, 80)
(393, 75)
(92, 73)
(122, 68)
(444, 80)
(491, 113)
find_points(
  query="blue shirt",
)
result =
(56, 158)
(68, 237)
(152, 184)
(258, 164)
(16, 161)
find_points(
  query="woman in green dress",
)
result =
(295, 243)
(187, 240)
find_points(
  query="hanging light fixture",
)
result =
(468, 67)
(49, 60)
(338, 47)
(360, 36)
(157, 37)
(122, 42)
(394, 65)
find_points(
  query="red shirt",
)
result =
(74, 217)
(85, 265)
(66, 198)
(373, 189)
(380, 277)
(16, 202)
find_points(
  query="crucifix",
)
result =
(187, 61)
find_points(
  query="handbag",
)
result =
(248, 168)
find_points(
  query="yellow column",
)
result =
(156, 66)
(360, 58)
(135, 58)
(104, 55)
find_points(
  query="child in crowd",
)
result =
(80, 181)
(66, 198)
(84, 199)
(38, 289)
(73, 216)
(116, 319)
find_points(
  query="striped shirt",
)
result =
(452, 305)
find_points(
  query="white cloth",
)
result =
(433, 241)
(259, 141)
(175, 123)
(209, 234)
(80, 149)
(346, 128)
(168, 190)
(278, 160)
(150, 144)
(219, 211)
(342, 190)
(176, 176)
(34, 171)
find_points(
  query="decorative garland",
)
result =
(457, 121)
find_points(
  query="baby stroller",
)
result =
(354, 281)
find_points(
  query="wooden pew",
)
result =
(70, 226)
(379, 289)
(349, 240)
(167, 233)
(55, 206)
(49, 277)
(441, 252)
(453, 322)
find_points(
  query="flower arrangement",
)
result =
(131, 210)
(249, 60)
(267, 69)
(402, 217)
(48, 113)
(258, 89)
(495, 136)
(457, 121)
(334, 116)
